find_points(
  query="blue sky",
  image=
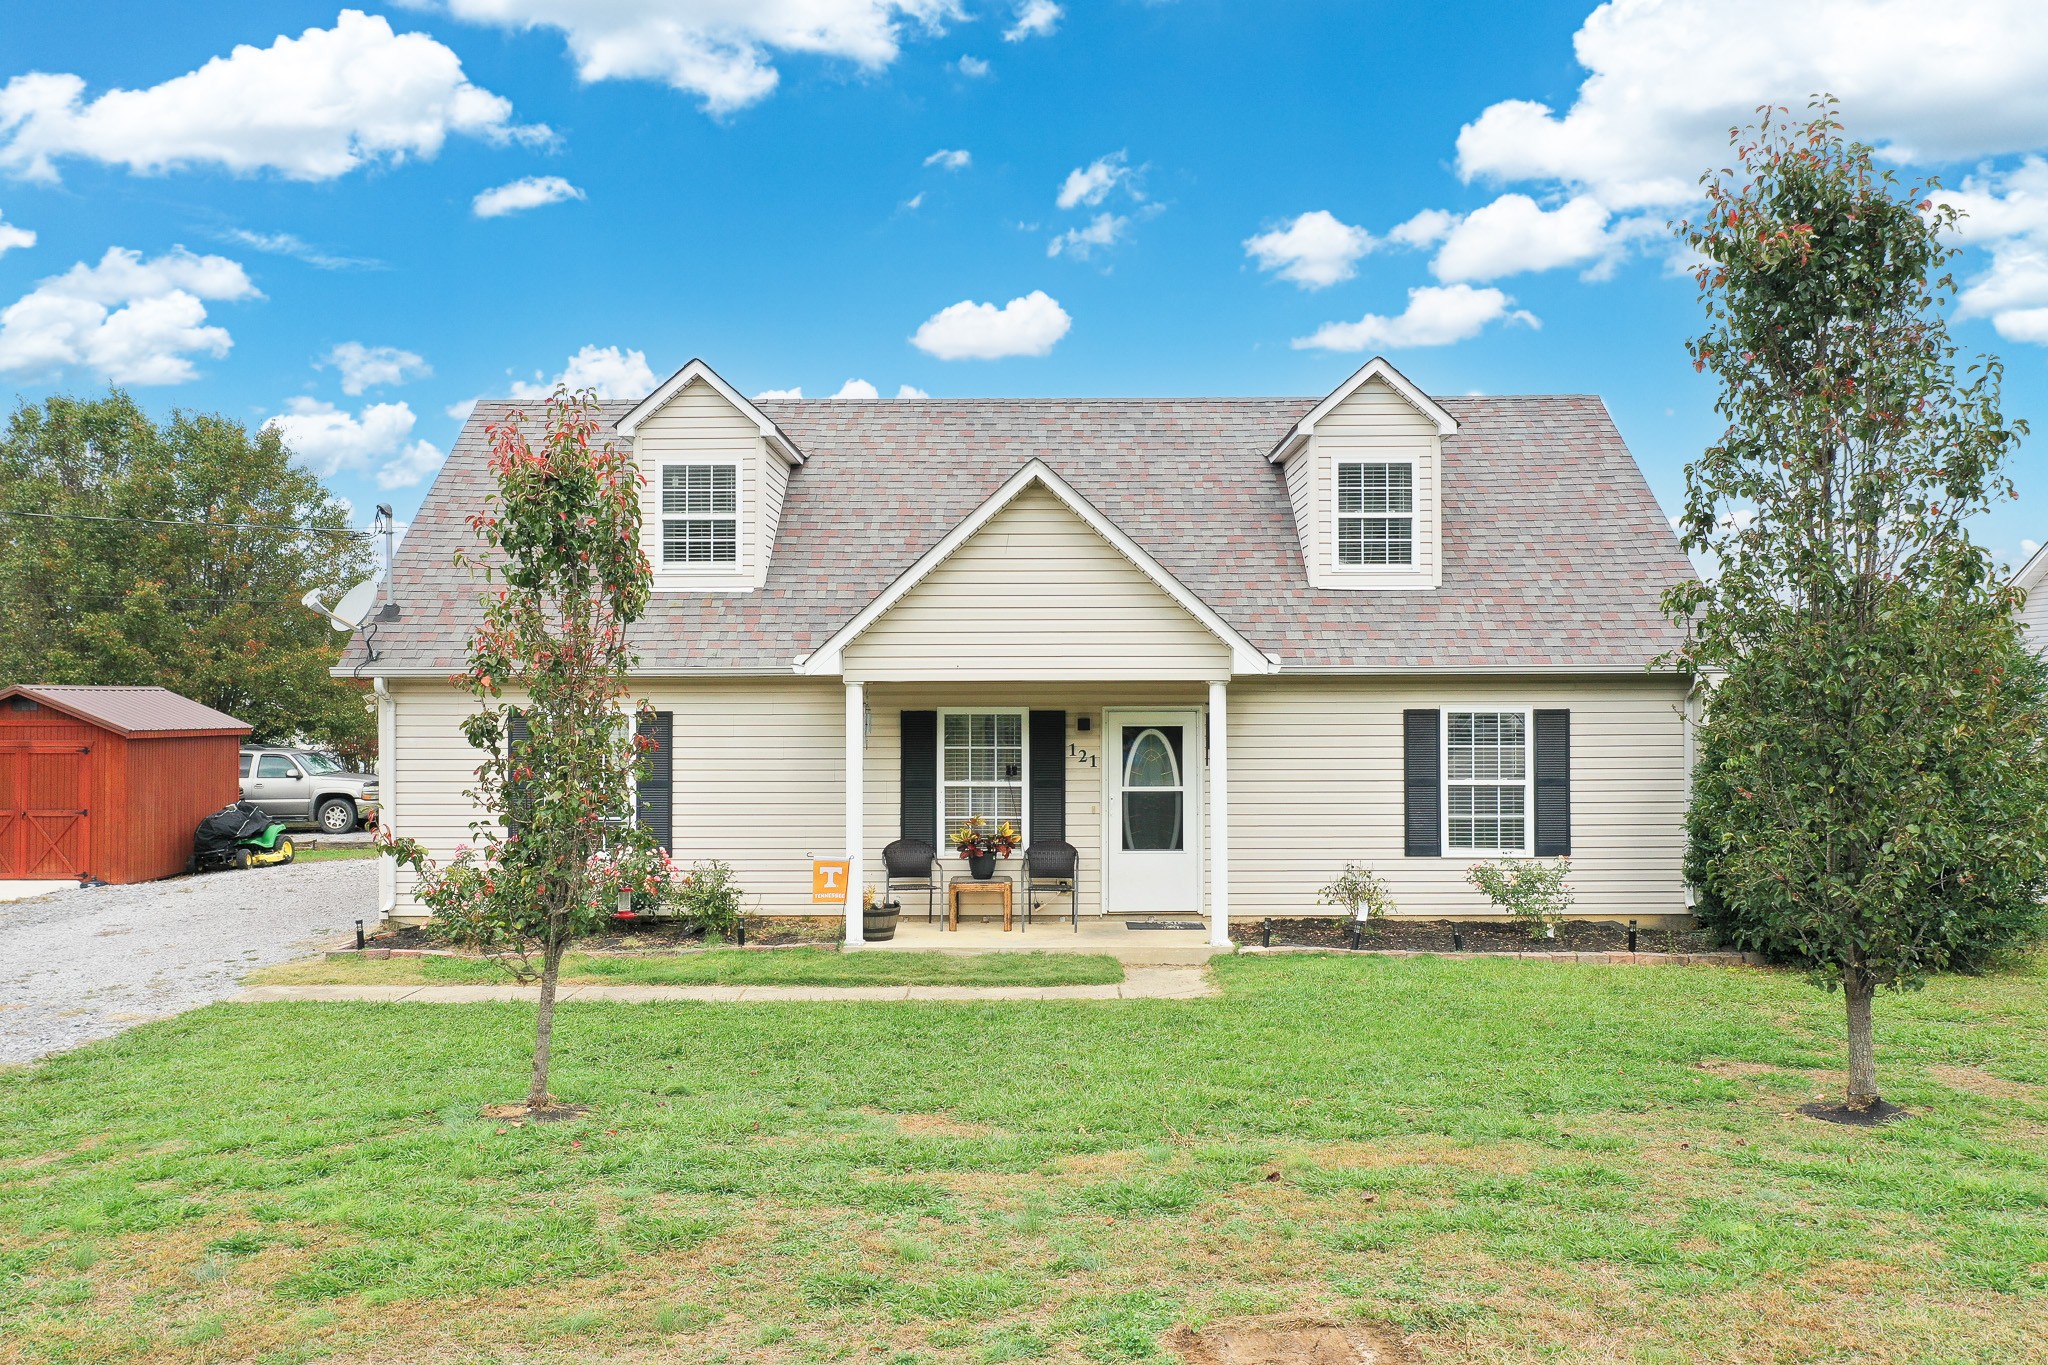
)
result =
(762, 184)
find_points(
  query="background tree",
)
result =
(562, 533)
(1872, 797)
(208, 611)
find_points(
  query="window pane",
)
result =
(1150, 761)
(1152, 821)
(699, 540)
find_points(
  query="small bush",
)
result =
(1533, 892)
(709, 899)
(1358, 893)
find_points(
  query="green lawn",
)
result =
(340, 853)
(1503, 1160)
(721, 967)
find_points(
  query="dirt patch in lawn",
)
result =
(1288, 1341)
(1471, 936)
(932, 1125)
(1981, 1082)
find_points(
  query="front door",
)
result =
(1154, 790)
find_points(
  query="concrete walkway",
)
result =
(1140, 983)
(1110, 936)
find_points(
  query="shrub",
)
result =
(1534, 892)
(709, 899)
(1358, 893)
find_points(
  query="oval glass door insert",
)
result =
(1152, 792)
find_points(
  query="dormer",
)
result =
(714, 469)
(1365, 475)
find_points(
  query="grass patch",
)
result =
(1501, 1160)
(342, 853)
(719, 967)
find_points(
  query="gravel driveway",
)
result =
(85, 964)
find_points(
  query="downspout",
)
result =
(387, 751)
(1689, 710)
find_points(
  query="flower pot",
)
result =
(982, 866)
(878, 922)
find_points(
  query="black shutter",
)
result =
(1553, 784)
(1048, 777)
(517, 732)
(1422, 782)
(919, 771)
(654, 802)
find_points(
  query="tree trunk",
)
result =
(1857, 990)
(537, 1098)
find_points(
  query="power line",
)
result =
(211, 525)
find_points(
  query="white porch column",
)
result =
(1219, 813)
(856, 803)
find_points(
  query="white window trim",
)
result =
(1411, 570)
(942, 843)
(1528, 715)
(662, 568)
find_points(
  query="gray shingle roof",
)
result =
(1555, 550)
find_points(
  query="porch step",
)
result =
(1105, 937)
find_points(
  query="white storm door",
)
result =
(1153, 834)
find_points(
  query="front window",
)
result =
(1486, 780)
(319, 763)
(981, 768)
(700, 521)
(1375, 514)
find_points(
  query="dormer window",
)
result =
(700, 516)
(1375, 514)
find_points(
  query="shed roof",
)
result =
(1555, 550)
(140, 711)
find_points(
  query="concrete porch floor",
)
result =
(1108, 936)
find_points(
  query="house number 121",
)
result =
(1080, 756)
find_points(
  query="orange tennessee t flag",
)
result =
(828, 881)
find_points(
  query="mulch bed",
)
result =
(645, 935)
(1478, 936)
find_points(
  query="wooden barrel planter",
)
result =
(878, 922)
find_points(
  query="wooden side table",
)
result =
(954, 888)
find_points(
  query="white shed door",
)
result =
(1154, 826)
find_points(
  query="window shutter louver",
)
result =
(517, 732)
(919, 771)
(1553, 784)
(1422, 783)
(1048, 777)
(654, 794)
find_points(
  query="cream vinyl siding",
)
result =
(1085, 790)
(1036, 593)
(698, 425)
(759, 772)
(1316, 782)
(1375, 424)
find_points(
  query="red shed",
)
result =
(108, 783)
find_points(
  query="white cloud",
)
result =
(310, 108)
(1437, 315)
(1315, 251)
(1104, 231)
(530, 192)
(287, 244)
(1089, 184)
(1030, 325)
(719, 50)
(1425, 229)
(910, 391)
(12, 236)
(2008, 214)
(611, 372)
(768, 395)
(858, 389)
(132, 321)
(1514, 234)
(974, 68)
(460, 410)
(915, 201)
(363, 367)
(330, 441)
(950, 159)
(1035, 19)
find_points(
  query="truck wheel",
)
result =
(337, 816)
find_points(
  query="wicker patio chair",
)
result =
(1055, 867)
(913, 865)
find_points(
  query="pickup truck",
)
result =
(300, 787)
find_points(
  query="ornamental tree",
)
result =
(1872, 797)
(548, 666)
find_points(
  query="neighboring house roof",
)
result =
(143, 711)
(1555, 550)
(2028, 576)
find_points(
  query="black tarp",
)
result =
(230, 825)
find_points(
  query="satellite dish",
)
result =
(354, 607)
(351, 611)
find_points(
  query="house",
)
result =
(1222, 646)
(102, 783)
(2033, 614)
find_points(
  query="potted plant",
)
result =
(980, 844)
(877, 919)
